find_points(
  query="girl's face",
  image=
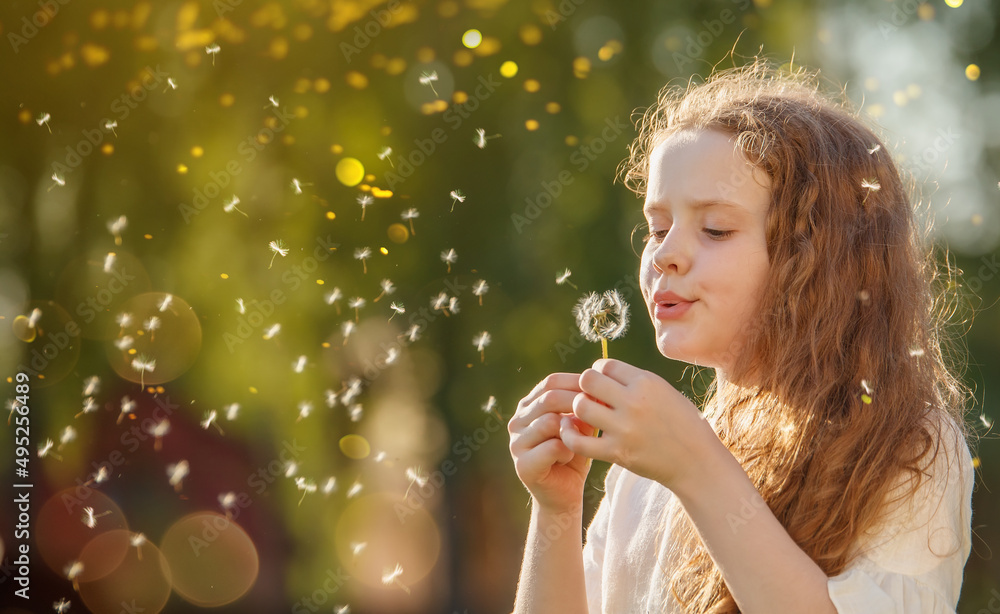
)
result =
(706, 207)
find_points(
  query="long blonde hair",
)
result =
(851, 380)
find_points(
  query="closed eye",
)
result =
(711, 232)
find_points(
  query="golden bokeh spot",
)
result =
(900, 98)
(867, 400)
(448, 8)
(876, 110)
(762, 4)
(552, 107)
(278, 49)
(398, 233)
(301, 112)
(913, 91)
(379, 60)
(146, 42)
(383, 251)
(321, 85)
(182, 168)
(488, 47)
(571, 140)
(21, 329)
(364, 187)
(224, 276)
(953, 3)
(378, 192)
(385, 130)
(972, 71)
(325, 344)
(24, 116)
(976, 462)
(463, 57)
(925, 11)
(530, 34)
(99, 19)
(107, 149)
(227, 100)
(271, 14)
(508, 69)
(147, 236)
(67, 61)
(581, 67)
(355, 446)
(356, 80)
(337, 149)
(271, 122)
(263, 139)
(194, 40)
(427, 108)
(395, 66)
(605, 53)
(197, 151)
(320, 282)
(440, 106)
(350, 171)
(288, 139)
(368, 179)
(160, 389)
(302, 85)
(532, 85)
(330, 215)
(140, 14)
(187, 15)
(472, 38)
(253, 390)
(459, 97)
(531, 124)
(302, 32)
(425, 54)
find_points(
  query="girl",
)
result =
(830, 470)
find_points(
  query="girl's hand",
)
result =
(648, 426)
(553, 474)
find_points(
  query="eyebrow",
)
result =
(701, 204)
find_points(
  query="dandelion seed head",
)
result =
(410, 214)
(562, 277)
(872, 185)
(333, 296)
(481, 340)
(398, 308)
(601, 315)
(449, 256)
(457, 195)
(152, 323)
(124, 343)
(278, 247)
(356, 303)
(124, 319)
(365, 200)
(384, 153)
(387, 286)
(362, 253)
(480, 288)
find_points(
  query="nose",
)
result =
(670, 254)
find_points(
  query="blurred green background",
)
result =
(163, 112)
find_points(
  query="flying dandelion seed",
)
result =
(481, 341)
(449, 257)
(365, 200)
(210, 420)
(61, 606)
(415, 476)
(409, 215)
(159, 430)
(479, 289)
(333, 297)
(109, 261)
(127, 407)
(299, 364)
(89, 407)
(45, 449)
(563, 278)
(986, 421)
(291, 469)
(124, 343)
(151, 325)
(212, 50)
(329, 486)
(354, 489)
(227, 501)
(124, 320)
(111, 125)
(177, 472)
(230, 205)
(330, 398)
(57, 180)
(380, 457)
(413, 333)
(440, 302)
(346, 328)
(452, 305)
(68, 435)
(357, 547)
(602, 317)
(397, 308)
(278, 247)
(428, 79)
(240, 307)
(92, 384)
(872, 185)
(874, 148)
(274, 103)
(271, 331)
(115, 227)
(136, 540)
(363, 254)
(457, 196)
(305, 408)
(356, 304)
(481, 138)
(387, 288)
(356, 412)
(391, 355)
(143, 364)
(384, 154)
(100, 476)
(341, 609)
(232, 411)
(43, 119)
(351, 391)
(171, 84)
(306, 486)
(73, 571)
(391, 576)
(297, 185)
(491, 406)
(89, 518)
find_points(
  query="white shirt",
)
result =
(897, 570)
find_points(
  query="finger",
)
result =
(542, 457)
(550, 401)
(543, 428)
(601, 387)
(621, 372)
(553, 381)
(579, 443)
(592, 412)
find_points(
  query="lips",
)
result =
(669, 299)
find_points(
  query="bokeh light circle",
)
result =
(62, 534)
(350, 171)
(54, 346)
(472, 38)
(355, 446)
(212, 559)
(398, 233)
(94, 287)
(174, 344)
(141, 581)
(395, 531)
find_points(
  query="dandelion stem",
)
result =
(604, 348)
(412, 232)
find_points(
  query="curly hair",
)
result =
(853, 380)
